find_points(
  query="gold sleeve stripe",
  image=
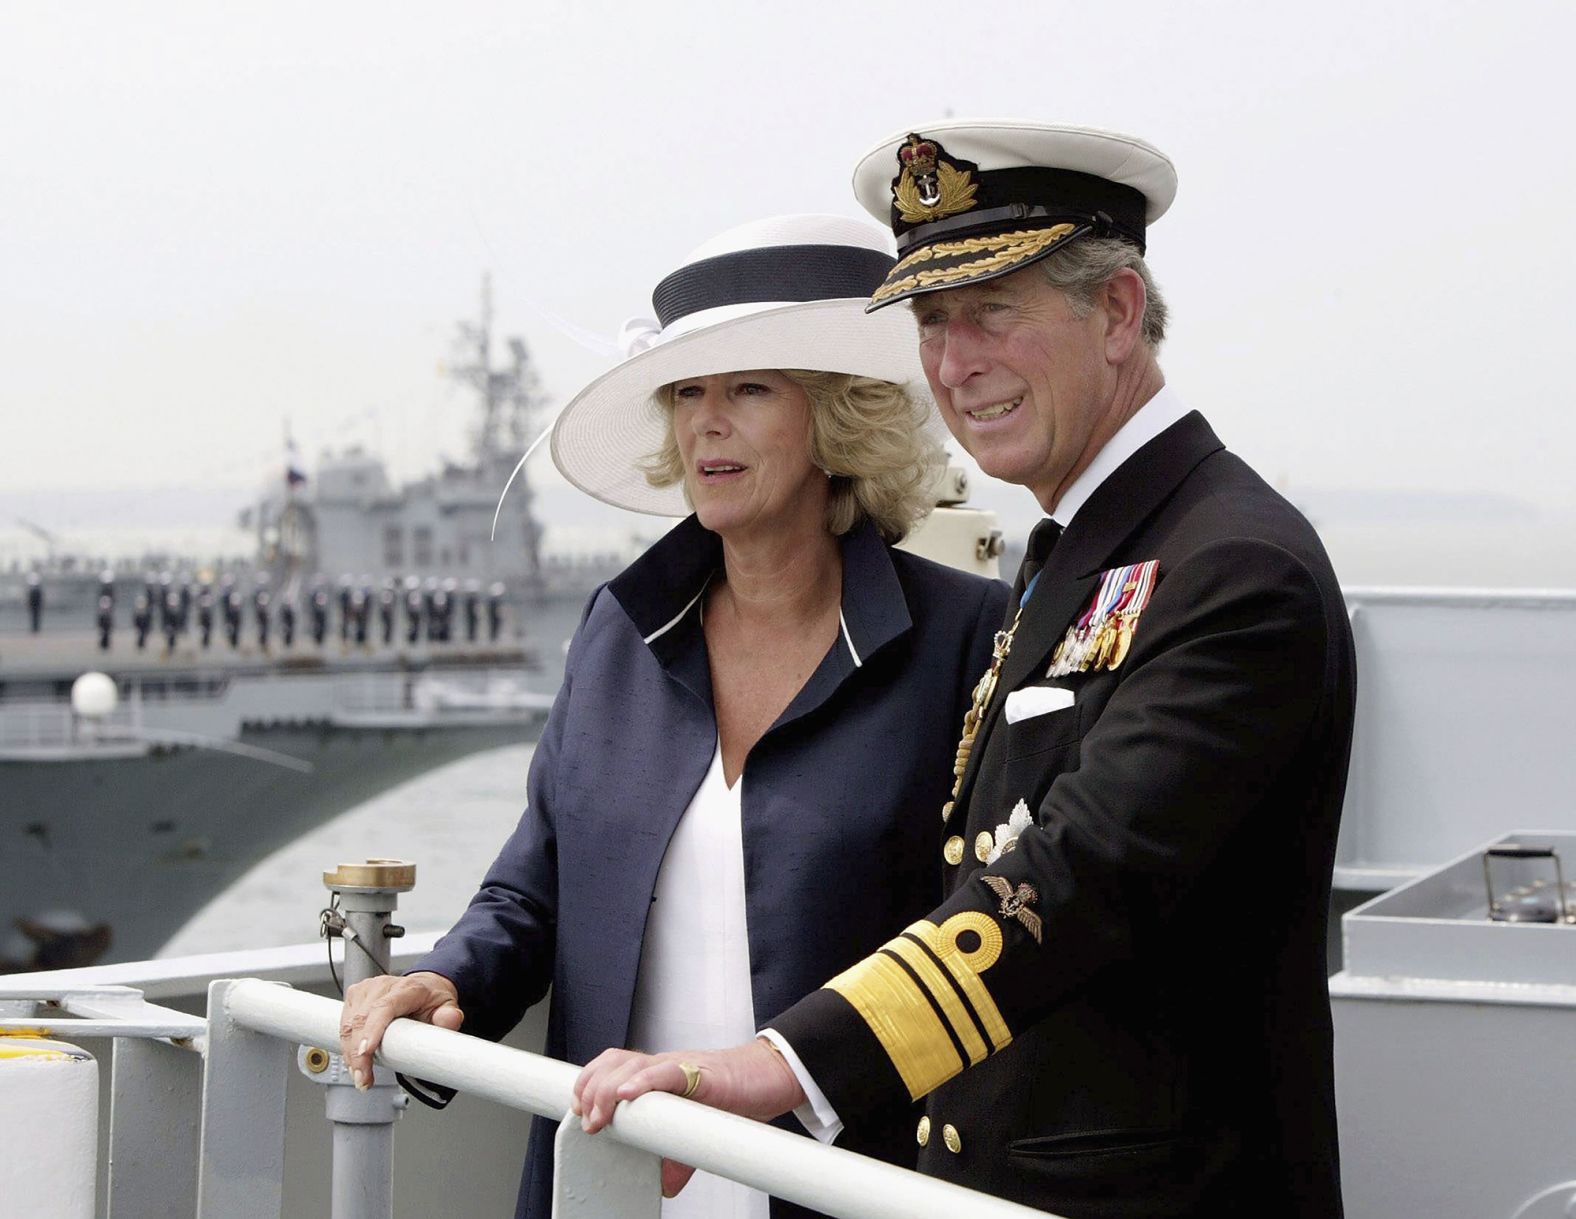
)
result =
(931, 997)
(902, 1020)
(942, 991)
(979, 1025)
(966, 967)
(919, 1010)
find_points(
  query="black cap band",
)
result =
(771, 273)
(1007, 197)
(994, 219)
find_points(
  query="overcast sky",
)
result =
(214, 218)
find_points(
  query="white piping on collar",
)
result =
(848, 639)
(678, 617)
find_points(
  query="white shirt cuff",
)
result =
(816, 1115)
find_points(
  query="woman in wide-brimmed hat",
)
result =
(738, 786)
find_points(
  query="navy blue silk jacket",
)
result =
(841, 802)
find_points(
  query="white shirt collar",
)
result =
(1154, 417)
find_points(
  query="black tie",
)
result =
(1041, 542)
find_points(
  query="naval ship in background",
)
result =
(435, 638)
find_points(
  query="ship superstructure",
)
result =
(353, 522)
(380, 630)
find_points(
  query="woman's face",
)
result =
(744, 438)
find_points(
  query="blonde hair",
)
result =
(870, 437)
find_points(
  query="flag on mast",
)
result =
(295, 476)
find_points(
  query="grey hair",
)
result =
(1083, 268)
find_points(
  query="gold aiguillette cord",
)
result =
(976, 712)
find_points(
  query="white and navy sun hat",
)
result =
(785, 292)
(971, 200)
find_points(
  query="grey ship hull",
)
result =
(112, 838)
(141, 844)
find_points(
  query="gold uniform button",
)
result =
(982, 845)
(953, 851)
(951, 1137)
(923, 1133)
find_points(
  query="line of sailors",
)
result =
(430, 608)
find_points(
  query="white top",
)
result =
(693, 989)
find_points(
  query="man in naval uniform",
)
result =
(230, 606)
(319, 604)
(106, 621)
(287, 618)
(495, 592)
(262, 609)
(1120, 1010)
(141, 619)
(473, 616)
(35, 602)
(205, 613)
(413, 610)
(387, 599)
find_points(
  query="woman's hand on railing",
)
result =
(752, 1080)
(371, 1006)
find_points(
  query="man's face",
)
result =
(1021, 381)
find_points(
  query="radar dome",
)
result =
(93, 695)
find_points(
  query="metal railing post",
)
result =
(153, 1129)
(363, 1185)
(241, 1169)
(602, 1178)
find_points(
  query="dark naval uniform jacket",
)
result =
(1126, 1016)
(838, 806)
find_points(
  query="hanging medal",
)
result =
(1103, 633)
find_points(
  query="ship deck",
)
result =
(62, 655)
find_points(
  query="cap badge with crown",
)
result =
(1009, 193)
(929, 184)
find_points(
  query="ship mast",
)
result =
(510, 397)
(511, 403)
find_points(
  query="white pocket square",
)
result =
(1031, 701)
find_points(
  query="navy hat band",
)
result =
(768, 274)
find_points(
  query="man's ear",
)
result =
(1123, 298)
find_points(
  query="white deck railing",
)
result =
(435, 696)
(161, 1156)
(51, 730)
(253, 1026)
